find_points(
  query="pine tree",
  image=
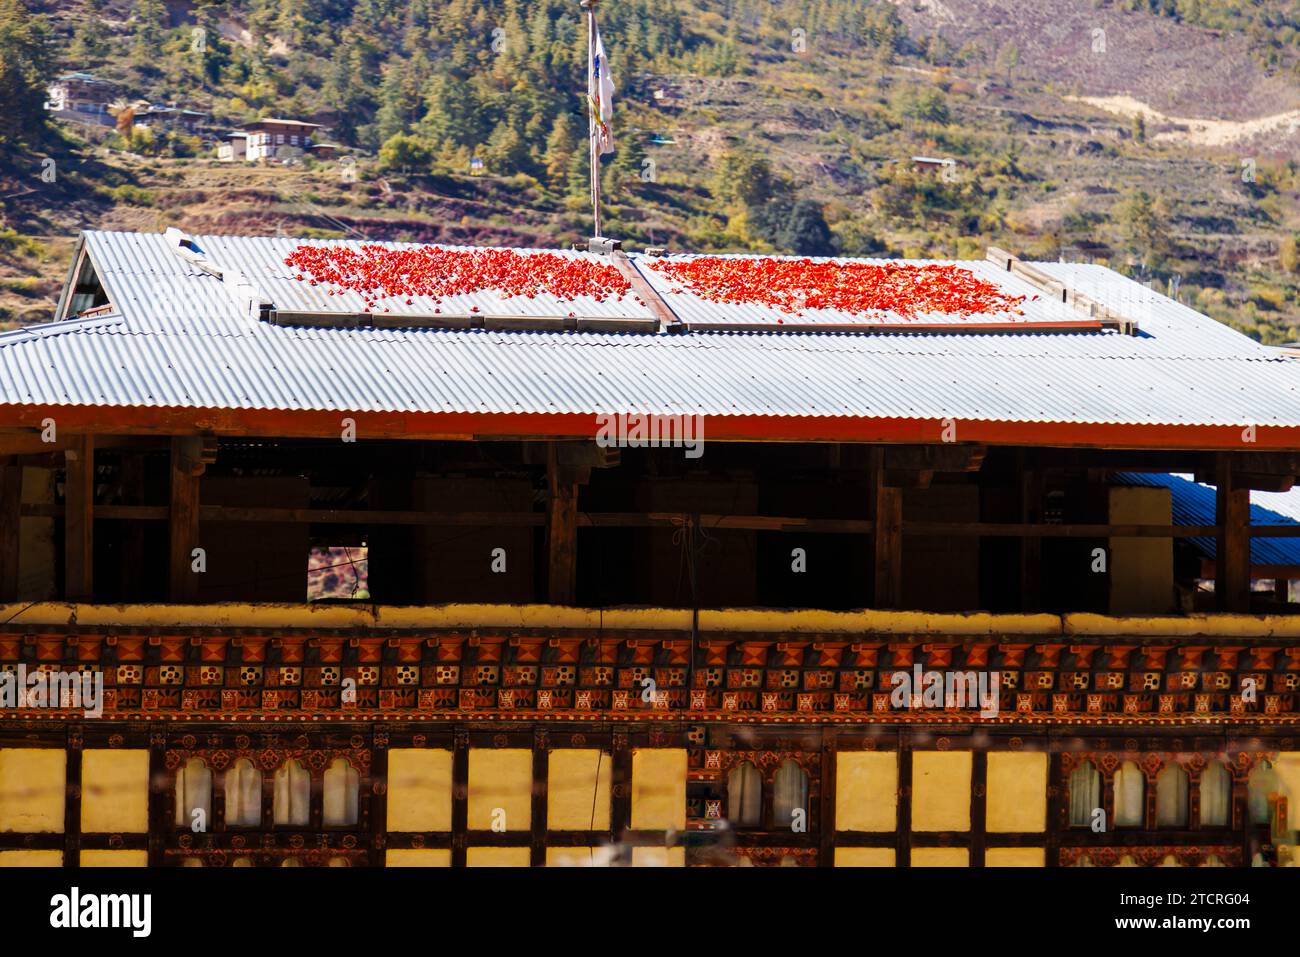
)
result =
(561, 146)
(623, 173)
(578, 178)
(506, 152)
(452, 113)
(26, 66)
(148, 22)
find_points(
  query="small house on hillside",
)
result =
(83, 97)
(157, 117)
(278, 139)
(234, 147)
(933, 164)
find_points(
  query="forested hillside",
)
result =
(1159, 136)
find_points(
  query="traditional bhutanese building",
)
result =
(906, 587)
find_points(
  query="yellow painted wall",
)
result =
(497, 857)
(577, 790)
(941, 790)
(419, 789)
(33, 783)
(1015, 857)
(418, 857)
(577, 857)
(500, 778)
(1017, 792)
(779, 622)
(864, 857)
(866, 791)
(658, 789)
(114, 858)
(115, 791)
(31, 858)
(658, 857)
(940, 857)
(1141, 569)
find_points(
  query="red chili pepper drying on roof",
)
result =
(792, 285)
(377, 272)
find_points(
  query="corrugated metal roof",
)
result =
(1193, 504)
(143, 268)
(180, 338)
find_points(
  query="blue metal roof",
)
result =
(1193, 504)
(179, 337)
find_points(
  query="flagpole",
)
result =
(593, 145)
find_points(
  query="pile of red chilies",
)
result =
(793, 285)
(378, 273)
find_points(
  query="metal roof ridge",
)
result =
(58, 327)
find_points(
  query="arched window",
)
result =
(1169, 860)
(1084, 861)
(241, 862)
(745, 795)
(1172, 791)
(1085, 794)
(243, 794)
(1262, 782)
(789, 795)
(292, 803)
(1213, 861)
(192, 862)
(341, 785)
(339, 862)
(1130, 796)
(291, 862)
(1126, 860)
(1216, 795)
(193, 793)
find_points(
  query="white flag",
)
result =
(600, 95)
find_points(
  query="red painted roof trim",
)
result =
(316, 423)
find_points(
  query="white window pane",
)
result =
(1172, 790)
(193, 792)
(340, 798)
(1130, 805)
(789, 794)
(745, 795)
(243, 784)
(1085, 794)
(1216, 795)
(292, 794)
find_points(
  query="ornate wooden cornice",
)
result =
(292, 675)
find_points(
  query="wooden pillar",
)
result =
(11, 498)
(620, 814)
(903, 839)
(1281, 590)
(887, 514)
(79, 519)
(72, 799)
(459, 797)
(1056, 790)
(826, 817)
(1240, 819)
(378, 817)
(561, 531)
(539, 809)
(183, 523)
(131, 587)
(162, 811)
(1030, 494)
(978, 805)
(1232, 555)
